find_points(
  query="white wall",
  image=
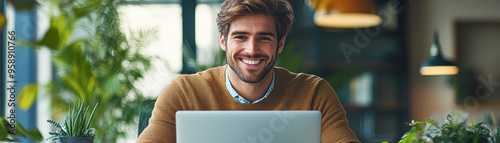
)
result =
(433, 96)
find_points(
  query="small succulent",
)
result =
(75, 124)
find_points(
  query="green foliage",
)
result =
(290, 58)
(28, 95)
(76, 124)
(20, 131)
(451, 131)
(3, 21)
(414, 133)
(23, 5)
(99, 67)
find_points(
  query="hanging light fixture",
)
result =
(437, 65)
(345, 13)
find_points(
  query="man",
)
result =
(252, 32)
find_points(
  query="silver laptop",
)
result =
(248, 126)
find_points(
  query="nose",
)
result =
(251, 46)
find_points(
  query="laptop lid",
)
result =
(248, 126)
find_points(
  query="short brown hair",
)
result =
(281, 10)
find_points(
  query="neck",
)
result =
(251, 91)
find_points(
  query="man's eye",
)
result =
(264, 38)
(240, 37)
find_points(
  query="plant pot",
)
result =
(75, 140)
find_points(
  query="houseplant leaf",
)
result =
(86, 9)
(28, 96)
(76, 124)
(32, 134)
(74, 85)
(19, 131)
(112, 84)
(4, 127)
(90, 84)
(51, 38)
(30, 44)
(451, 131)
(24, 5)
(3, 20)
(58, 33)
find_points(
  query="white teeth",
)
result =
(251, 62)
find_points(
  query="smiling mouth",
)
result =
(251, 62)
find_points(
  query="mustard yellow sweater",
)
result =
(207, 91)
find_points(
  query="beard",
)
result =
(255, 75)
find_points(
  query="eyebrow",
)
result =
(260, 33)
(266, 33)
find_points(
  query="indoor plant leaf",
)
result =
(3, 20)
(74, 85)
(86, 9)
(24, 5)
(19, 131)
(449, 132)
(112, 84)
(51, 38)
(32, 134)
(4, 127)
(76, 123)
(28, 96)
(58, 32)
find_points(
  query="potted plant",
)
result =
(451, 131)
(75, 127)
(93, 61)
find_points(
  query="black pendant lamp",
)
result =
(437, 65)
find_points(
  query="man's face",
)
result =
(252, 46)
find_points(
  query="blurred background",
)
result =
(119, 53)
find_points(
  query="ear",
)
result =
(281, 44)
(222, 42)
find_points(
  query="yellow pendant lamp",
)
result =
(345, 13)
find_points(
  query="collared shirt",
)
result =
(238, 97)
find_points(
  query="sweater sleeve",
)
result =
(334, 124)
(161, 126)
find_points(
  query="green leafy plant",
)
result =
(291, 58)
(76, 124)
(100, 66)
(450, 132)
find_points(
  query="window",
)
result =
(163, 24)
(207, 34)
